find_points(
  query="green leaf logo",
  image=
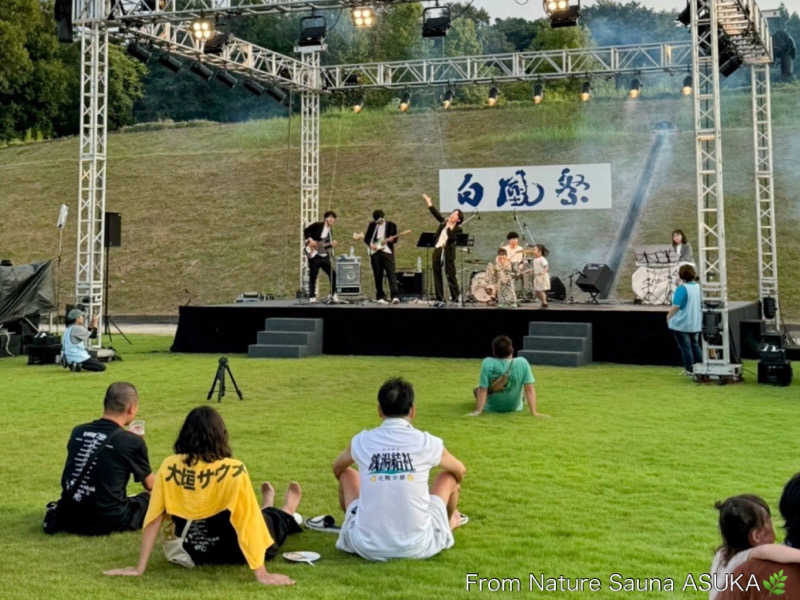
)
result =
(776, 584)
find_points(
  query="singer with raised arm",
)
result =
(445, 247)
(380, 238)
(319, 242)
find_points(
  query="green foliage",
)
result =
(614, 24)
(776, 584)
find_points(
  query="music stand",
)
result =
(427, 240)
(463, 241)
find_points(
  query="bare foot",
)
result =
(456, 520)
(292, 499)
(267, 495)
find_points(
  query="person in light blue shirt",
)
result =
(74, 340)
(685, 318)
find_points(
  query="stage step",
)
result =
(558, 344)
(288, 338)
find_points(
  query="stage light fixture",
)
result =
(277, 94)
(729, 59)
(686, 90)
(363, 17)
(201, 70)
(562, 13)
(358, 105)
(253, 87)
(435, 21)
(405, 102)
(635, 89)
(493, 94)
(313, 30)
(203, 29)
(63, 15)
(586, 91)
(447, 99)
(685, 16)
(170, 62)
(139, 52)
(226, 79)
(538, 93)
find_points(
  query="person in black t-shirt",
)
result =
(101, 456)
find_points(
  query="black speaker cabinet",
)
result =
(596, 279)
(410, 284)
(348, 275)
(557, 289)
(113, 230)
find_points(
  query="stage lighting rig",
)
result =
(313, 30)
(253, 87)
(203, 29)
(538, 93)
(435, 21)
(363, 16)
(226, 79)
(686, 90)
(635, 89)
(170, 62)
(201, 71)
(562, 13)
(139, 52)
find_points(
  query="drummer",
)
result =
(515, 252)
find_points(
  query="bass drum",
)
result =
(478, 287)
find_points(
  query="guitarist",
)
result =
(380, 237)
(319, 245)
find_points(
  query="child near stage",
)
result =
(746, 527)
(541, 275)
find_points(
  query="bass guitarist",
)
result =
(380, 237)
(319, 245)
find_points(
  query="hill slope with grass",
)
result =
(212, 210)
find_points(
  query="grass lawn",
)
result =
(621, 479)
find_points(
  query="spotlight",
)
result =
(538, 93)
(562, 13)
(363, 16)
(170, 62)
(636, 88)
(201, 70)
(63, 15)
(686, 90)
(139, 52)
(358, 105)
(447, 99)
(685, 17)
(493, 93)
(313, 30)
(203, 29)
(586, 91)
(405, 102)
(729, 59)
(435, 21)
(253, 87)
(216, 44)
(226, 79)
(277, 94)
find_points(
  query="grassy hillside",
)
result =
(215, 210)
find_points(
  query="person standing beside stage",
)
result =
(319, 240)
(380, 237)
(445, 246)
(73, 342)
(685, 319)
(541, 273)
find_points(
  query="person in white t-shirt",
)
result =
(389, 510)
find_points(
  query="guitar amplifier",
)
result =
(348, 275)
(410, 284)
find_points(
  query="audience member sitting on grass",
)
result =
(202, 484)
(101, 456)
(389, 510)
(761, 563)
(746, 527)
(73, 343)
(503, 380)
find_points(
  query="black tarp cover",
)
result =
(25, 290)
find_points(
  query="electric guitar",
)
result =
(314, 247)
(381, 244)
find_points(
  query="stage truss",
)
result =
(164, 24)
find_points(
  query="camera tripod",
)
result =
(220, 377)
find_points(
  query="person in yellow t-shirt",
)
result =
(203, 485)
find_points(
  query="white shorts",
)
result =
(440, 538)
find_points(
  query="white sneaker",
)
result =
(395, 300)
(382, 301)
(335, 299)
(312, 300)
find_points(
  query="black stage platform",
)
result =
(622, 333)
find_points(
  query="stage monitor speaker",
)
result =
(596, 279)
(410, 284)
(348, 275)
(113, 230)
(557, 289)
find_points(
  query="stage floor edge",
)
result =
(622, 333)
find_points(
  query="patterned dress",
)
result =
(500, 278)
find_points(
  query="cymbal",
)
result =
(474, 261)
(528, 252)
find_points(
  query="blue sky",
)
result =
(532, 9)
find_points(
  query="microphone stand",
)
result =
(525, 229)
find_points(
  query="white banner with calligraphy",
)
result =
(543, 187)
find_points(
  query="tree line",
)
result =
(39, 77)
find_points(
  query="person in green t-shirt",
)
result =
(520, 379)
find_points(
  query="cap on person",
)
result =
(74, 314)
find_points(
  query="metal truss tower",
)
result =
(92, 171)
(765, 201)
(309, 150)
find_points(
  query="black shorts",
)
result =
(280, 525)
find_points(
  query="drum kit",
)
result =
(521, 271)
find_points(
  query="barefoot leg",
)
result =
(267, 495)
(292, 499)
